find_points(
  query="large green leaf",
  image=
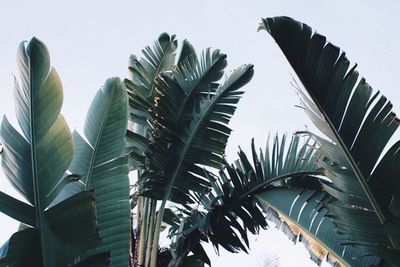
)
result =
(36, 161)
(360, 123)
(104, 168)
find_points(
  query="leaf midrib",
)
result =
(36, 186)
(277, 178)
(98, 138)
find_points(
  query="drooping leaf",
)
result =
(76, 210)
(359, 121)
(75, 214)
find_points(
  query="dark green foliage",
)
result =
(359, 122)
(187, 107)
(231, 209)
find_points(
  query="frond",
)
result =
(359, 122)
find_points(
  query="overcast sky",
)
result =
(90, 41)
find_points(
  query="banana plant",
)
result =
(141, 89)
(359, 123)
(35, 161)
(188, 109)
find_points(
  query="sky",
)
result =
(90, 41)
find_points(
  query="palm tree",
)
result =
(186, 109)
(59, 221)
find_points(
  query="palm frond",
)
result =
(141, 90)
(157, 59)
(176, 149)
(143, 73)
(360, 123)
(187, 114)
(231, 209)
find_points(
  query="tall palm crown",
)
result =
(179, 111)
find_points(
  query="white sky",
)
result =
(92, 40)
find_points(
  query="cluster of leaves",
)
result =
(179, 115)
(70, 183)
(359, 191)
(226, 214)
(185, 108)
